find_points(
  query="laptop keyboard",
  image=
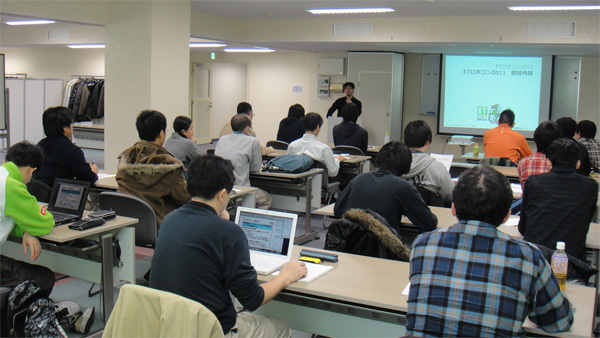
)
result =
(61, 216)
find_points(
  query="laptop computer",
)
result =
(270, 237)
(67, 200)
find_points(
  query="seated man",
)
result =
(213, 258)
(317, 150)
(348, 133)
(425, 171)
(246, 109)
(586, 131)
(569, 127)
(559, 205)
(62, 159)
(471, 280)
(22, 216)
(291, 128)
(243, 150)
(388, 194)
(147, 170)
(502, 141)
(537, 163)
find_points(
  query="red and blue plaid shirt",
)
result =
(532, 165)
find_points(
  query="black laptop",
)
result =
(67, 201)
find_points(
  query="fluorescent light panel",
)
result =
(206, 45)
(248, 50)
(86, 46)
(350, 10)
(29, 22)
(553, 8)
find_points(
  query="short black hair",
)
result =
(587, 129)
(181, 123)
(296, 110)
(311, 121)
(545, 133)
(394, 156)
(350, 112)
(568, 126)
(563, 151)
(482, 194)
(417, 133)
(239, 122)
(348, 84)
(25, 154)
(55, 119)
(149, 124)
(507, 116)
(209, 174)
(244, 108)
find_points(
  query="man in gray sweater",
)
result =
(243, 150)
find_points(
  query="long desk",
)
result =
(353, 164)
(298, 192)
(362, 297)
(58, 256)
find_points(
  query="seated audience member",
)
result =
(569, 127)
(385, 192)
(147, 170)
(246, 109)
(348, 133)
(472, 280)
(290, 128)
(425, 171)
(62, 159)
(213, 259)
(243, 151)
(317, 150)
(182, 144)
(586, 131)
(544, 135)
(559, 205)
(503, 141)
(22, 216)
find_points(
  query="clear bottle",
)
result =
(386, 139)
(560, 263)
(476, 150)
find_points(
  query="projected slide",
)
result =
(476, 89)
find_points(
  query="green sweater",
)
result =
(19, 210)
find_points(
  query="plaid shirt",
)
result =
(532, 165)
(593, 148)
(471, 280)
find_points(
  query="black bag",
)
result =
(290, 163)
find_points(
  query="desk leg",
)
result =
(107, 275)
(309, 234)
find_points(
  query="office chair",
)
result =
(276, 144)
(40, 190)
(131, 206)
(210, 151)
(430, 198)
(347, 150)
(144, 312)
(329, 188)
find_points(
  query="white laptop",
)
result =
(270, 237)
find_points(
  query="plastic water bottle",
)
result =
(560, 263)
(476, 150)
(386, 139)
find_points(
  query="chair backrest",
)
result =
(431, 198)
(276, 144)
(210, 151)
(347, 150)
(324, 175)
(144, 312)
(499, 161)
(132, 206)
(40, 190)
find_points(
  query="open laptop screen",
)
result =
(267, 232)
(69, 196)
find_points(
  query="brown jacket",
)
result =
(150, 172)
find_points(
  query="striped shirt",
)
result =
(471, 280)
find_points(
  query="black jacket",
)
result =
(366, 233)
(63, 159)
(351, 134)
(340, 103)
(290, 129)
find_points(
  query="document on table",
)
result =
(405, 291)
(445, 159)
(513, 221)
(314, 271)
(103, 175)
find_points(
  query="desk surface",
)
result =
(356, 279)
(62, 233)
(352, 159)
(286, 175)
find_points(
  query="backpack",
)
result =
(290, 163)
(30, 313)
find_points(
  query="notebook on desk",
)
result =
(67, 201)
(270, 237)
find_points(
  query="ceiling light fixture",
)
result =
(553, 8)
(29, 22)
(350, 10)
(206, 45)
(248, 50)
(86, 46)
